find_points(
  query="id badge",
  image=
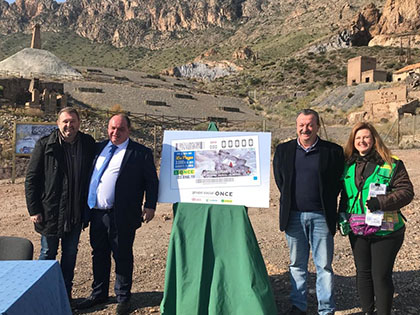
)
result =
(376, 189)
(374, 218)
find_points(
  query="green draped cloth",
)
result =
(214, 264)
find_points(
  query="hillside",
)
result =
(297, 49)
(169, 33)
(158, 24)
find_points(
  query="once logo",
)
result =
(224, 193)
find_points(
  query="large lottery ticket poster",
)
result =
(215, 168)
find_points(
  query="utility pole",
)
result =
(401, 49)
(409, 50)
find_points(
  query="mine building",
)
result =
(362, 69)
(403, 73)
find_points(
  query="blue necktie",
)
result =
(95, 181)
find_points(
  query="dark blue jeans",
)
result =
(69, 244)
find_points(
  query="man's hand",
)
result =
(148, 214)
(37, 218)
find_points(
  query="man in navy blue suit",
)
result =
(116, 193)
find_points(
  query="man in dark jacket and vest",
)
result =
(56, 189)
(307, 171)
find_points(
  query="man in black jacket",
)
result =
(56, 189)
(123, 193)
(307, 171)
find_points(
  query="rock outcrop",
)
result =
(152, 23)
(399, 16)
(124, 22)
(398, 24)
(339, 41)
(207, 71)
(364, 24)
(244, 53)
(356, 33)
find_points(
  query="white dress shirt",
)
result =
(106, 188)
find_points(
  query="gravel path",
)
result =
(151, 247)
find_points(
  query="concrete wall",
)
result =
(384, 103)
(368, 76)
(414, 94)
(373, 76)
(379, 76)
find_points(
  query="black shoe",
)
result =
(123, 308)
(296, 311)
(73, 304)
(91, 301)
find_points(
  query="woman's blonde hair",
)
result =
(378, 144)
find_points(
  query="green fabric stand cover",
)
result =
(214, 264)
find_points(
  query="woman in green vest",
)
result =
(376, 186)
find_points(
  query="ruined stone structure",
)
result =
(34, 90)
(19, 91)
(52, 103)
(384, 103)
(26, 88)
(45, 98)
(362, 69)
(373, 76)
(16, 90)
(35, 97)
(403, 73)
(36, 37)
(62, 100)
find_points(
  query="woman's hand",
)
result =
(373, 204)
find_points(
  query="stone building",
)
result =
(18, 90)
(362, 69)
(384, 103)
(403, 73)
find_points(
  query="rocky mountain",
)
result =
(278, 55)
(400, 20)
(122, 23)
(156, 23)
(398, 17)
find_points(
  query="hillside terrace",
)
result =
(139, 93)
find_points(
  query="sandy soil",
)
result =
(152, 239)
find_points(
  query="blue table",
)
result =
(32, 287)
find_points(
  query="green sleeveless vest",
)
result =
(357, 201)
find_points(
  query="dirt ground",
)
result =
(150, 250)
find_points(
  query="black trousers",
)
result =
(105, 239)
(374, 258)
